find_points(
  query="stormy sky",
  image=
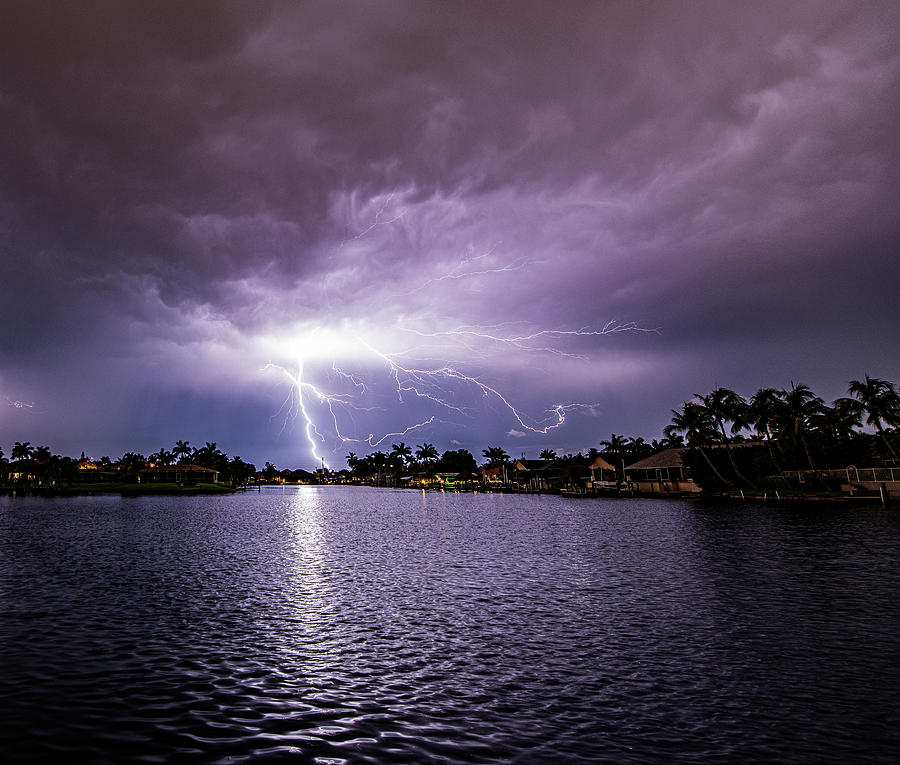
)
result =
(435, 212)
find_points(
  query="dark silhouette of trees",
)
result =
(697, 425)
(800, 410)
(182, 450)
(22, 450)
(427, 453)
(494, 455)
(881, 402)
(459, 461)
(726, 406)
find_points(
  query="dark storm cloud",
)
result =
(192, 173)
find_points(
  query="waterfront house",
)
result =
(492, 477)
(453, 481)
(26, 472)
(661, 473)
(183, 474)
(534, 475)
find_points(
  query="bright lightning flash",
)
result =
(435, 386)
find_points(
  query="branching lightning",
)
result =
(378, 220)
(436, 385)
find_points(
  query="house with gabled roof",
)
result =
(661, 473)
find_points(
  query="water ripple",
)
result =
(356, 626)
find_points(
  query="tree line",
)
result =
(731, 440)
(231, 469)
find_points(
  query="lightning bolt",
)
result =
(378, 221)
(436, 385)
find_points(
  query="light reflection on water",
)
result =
(355, 625)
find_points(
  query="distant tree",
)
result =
(41, 454)
(401, 455)
(764, 410)
(182, 450)
(801, 407)
(839, 421)
(131, 463)
(459, 461)
(615, 449)
(548, 454)
(22, 450)
(380, 461)
(269, 471)
(352, 462)
(162, 457)
(240, 472)
(638, 448)
(725, 406)
(881, 402)
(427, 453)
(495, 455)
(699, 429)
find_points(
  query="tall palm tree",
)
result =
(724, 405)
(699, 429)
(839, 421)
(163, 457)
(882, 404)
(41, 454)
(548, 454)
(401, 454)
(495, 455)
(801, 407)
(182, 450)
(22, 450)
(427, 453)
(352, 461)
(616, 446)
(763, 412)
(208, 455)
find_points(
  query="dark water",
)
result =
(354, 625)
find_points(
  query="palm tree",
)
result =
(764, 410)
(401, 455)
(617, 446)
(840, 420)
(699, 429)
(427, 453)
(495, 455)
(131, 462)
(22, 450)
(882, 404)
(162, 457)
(801, 407)
(208, 456)
(725, 405)
(41, 454)
(182, 450)
(548, 454)
(352, 461)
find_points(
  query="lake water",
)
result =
(362, 625)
